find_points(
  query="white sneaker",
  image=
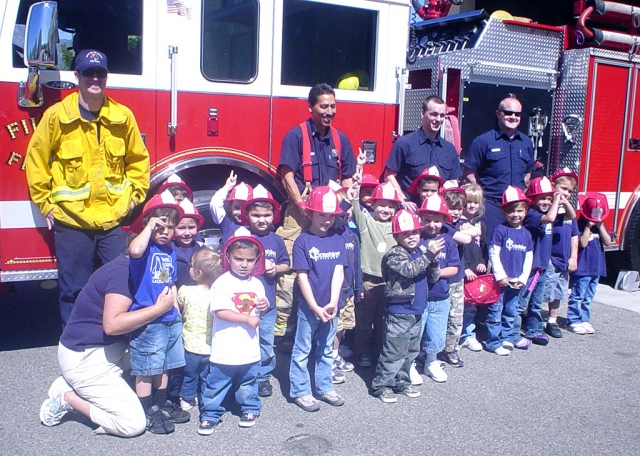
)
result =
(55, 407)
(435, 371)
(471, 343)
(502, 351)
(508, 345)
(577, 328)
(588, 328)
(416, 378)
(345, 351)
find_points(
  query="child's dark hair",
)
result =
(243, 244)
(207, 262)
(176, 190)
(427, 180)
(261, 204)
(512, 206)
(455, 200)
(170, 213)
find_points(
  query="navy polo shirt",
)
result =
(413, 153)
(541, 235)
(324, 156)
(499, 161)
(591, 260)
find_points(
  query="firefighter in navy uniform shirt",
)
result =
(499, 158)
(326, 161)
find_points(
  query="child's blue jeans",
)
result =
(583, 289)
(222, 378)
(434, 325)
(503, 321)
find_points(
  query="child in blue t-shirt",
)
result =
(594, 236)
(545, 202)
(564, 251)
(226, 206)
(406, 269)
(319, 259)
(511, 253)
(261, 212)
(152, 272)
(434, 214)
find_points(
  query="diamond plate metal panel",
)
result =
(415, 97)
(570, 100)
(18, 276)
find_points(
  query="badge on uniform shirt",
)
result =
(334, 153)
(244, 302)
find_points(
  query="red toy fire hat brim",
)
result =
(564, 172)
(385, 191)
(190, 211)
(435, 204)
(240, 192)
(540, 186)
(404, 220)
(243, 234)
(514, 195)
(164, 199)
(322, 199)
(369, 180)
(260, 194)
(594, 206)
(175, 181)
(451, 188)
(431, 173)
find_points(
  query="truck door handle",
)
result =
(634, 143)
(172, 126)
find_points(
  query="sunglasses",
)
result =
(511, 113)
(91, 72)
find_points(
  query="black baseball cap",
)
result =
(90, 58)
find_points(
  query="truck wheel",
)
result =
(209, 232)
(632, 248)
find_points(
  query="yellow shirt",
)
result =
(196, 319)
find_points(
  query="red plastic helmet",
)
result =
(175, 181)
(240, 192)
(260, 194)
(435, 204)
(540, 186)
(564, 172)
(432, 173)
(322, 199)
(164, 199)
(369, 180)
(405, 220)
(190, 211)
(449, 187)
(514, 195)
(243, 234)
(385, 191)
(594, 206)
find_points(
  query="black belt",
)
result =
(497, 201)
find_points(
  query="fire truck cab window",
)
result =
(230, 40)
(113, 27)
(328, 43)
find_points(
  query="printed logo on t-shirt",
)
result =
(594, 236)
(316, 255)
(510, 245)
(269, 253)
(567, 222)
(161, 268)
(349, 246)
(548, 228)
(442, 255)
(245, 302)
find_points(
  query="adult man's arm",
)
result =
(348, 162)
(469, 175)
(38, 167)
(117, 320)
(289, 183)
(136, 168)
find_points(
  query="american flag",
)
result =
(178, 7)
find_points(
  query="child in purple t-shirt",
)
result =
(226, 206)
(511, 253)
(594, 209)
(319, 259)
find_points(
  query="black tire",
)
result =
(632, 245)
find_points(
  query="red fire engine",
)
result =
(216, 85)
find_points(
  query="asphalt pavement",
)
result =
(578, 395)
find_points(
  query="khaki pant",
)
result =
(456, 313)
(286, 313)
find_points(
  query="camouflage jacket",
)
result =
(399, 272)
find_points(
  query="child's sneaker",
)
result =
(307, 403)
(365, 361)
(540, 339)
(451, 358)
(331, 398)
(589, 329)
(471, 343)
(337, 377)
(523, 344)
(345, 351)
(248, 420)
(174, 413)
(502, 351)
(387, 396)
(188, 405)
(410, 391)
(577, 328)
(342, 365)
(157, 423)
(414, 375)
(55, 407)
(206, 427)
(508, 345)
(435, 371)
(553, 330)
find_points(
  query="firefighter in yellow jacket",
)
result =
(87, 168)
